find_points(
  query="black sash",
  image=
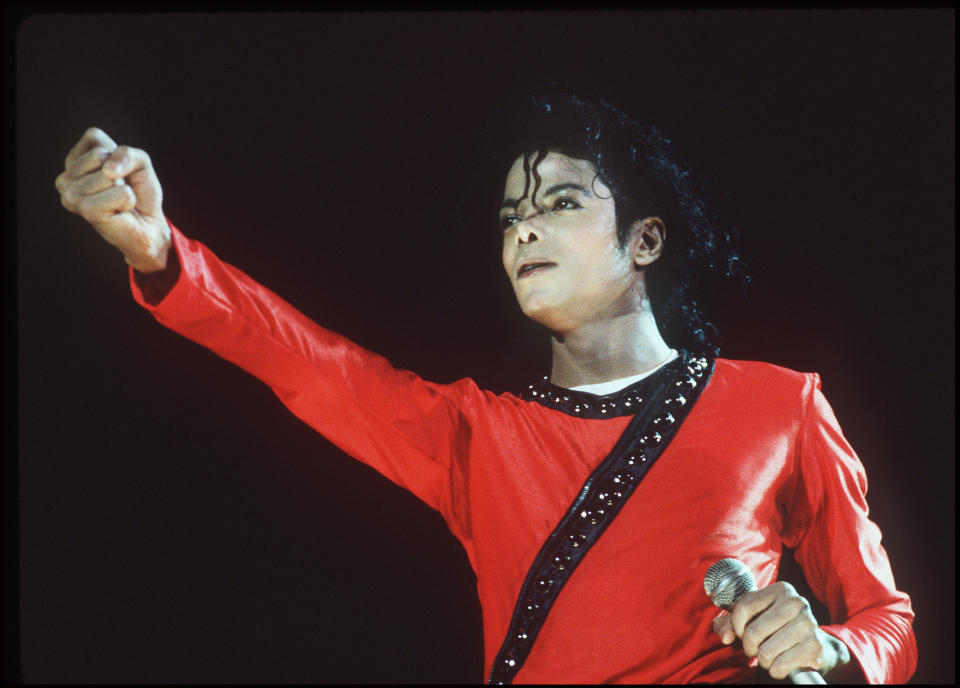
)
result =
(670, 394)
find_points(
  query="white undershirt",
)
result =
(612, 386)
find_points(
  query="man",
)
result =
(591, 508)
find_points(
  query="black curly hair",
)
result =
(643, 171)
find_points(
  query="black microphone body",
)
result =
(725, 583)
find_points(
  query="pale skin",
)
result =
(589, 292)
(116, 190)
(591, 297)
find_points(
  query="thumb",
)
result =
(133, 166)
(147, 189)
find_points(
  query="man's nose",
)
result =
(527, 230)
(526, 233)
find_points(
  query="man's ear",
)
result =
(647, 239)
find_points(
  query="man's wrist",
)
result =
(153, 256)
(156, 285)
(844, 668)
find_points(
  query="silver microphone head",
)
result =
(726, 582)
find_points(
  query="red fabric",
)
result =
(759, 463)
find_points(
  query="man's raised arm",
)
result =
(408, 429)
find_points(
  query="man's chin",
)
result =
(549, 317)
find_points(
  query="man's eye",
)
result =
(564, 203)
(508, 220)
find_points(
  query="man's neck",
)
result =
(610, 349)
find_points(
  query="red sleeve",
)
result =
(839, 549)
(408, 429)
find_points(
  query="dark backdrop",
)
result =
(178, 524)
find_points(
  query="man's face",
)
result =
(560, 247)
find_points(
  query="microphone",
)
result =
(725, 583)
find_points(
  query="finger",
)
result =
(803, 656)
(723, 626)
(72, 190)
(135, 166)
(797, 632)
(125, 161)
(89, 162)
(784, 611)
(99, 207)
(92, 183)
(95, 182)
(758, 631)
(749, 606)
(91, 138)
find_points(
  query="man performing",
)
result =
(591, 506)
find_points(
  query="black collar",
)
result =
(627, 401)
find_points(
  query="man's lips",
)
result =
(533, 267)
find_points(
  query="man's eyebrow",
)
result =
(556, 188)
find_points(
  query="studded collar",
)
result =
(626, 402)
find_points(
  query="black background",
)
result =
(178, 524)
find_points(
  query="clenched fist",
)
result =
(115, 189)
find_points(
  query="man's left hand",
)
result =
(778, 628)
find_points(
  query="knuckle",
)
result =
(795, 605)
(741, 623)
(117, 156)
(75, 165)
(78, 187)
(86, 209)
(140, 155)
(778, 669)
(70, 196)
(97, 152)
(84, 201)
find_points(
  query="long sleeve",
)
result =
(791, 478)
(839, 549)
(408, 429)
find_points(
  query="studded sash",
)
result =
(670, 393)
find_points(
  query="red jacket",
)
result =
(760, 463)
